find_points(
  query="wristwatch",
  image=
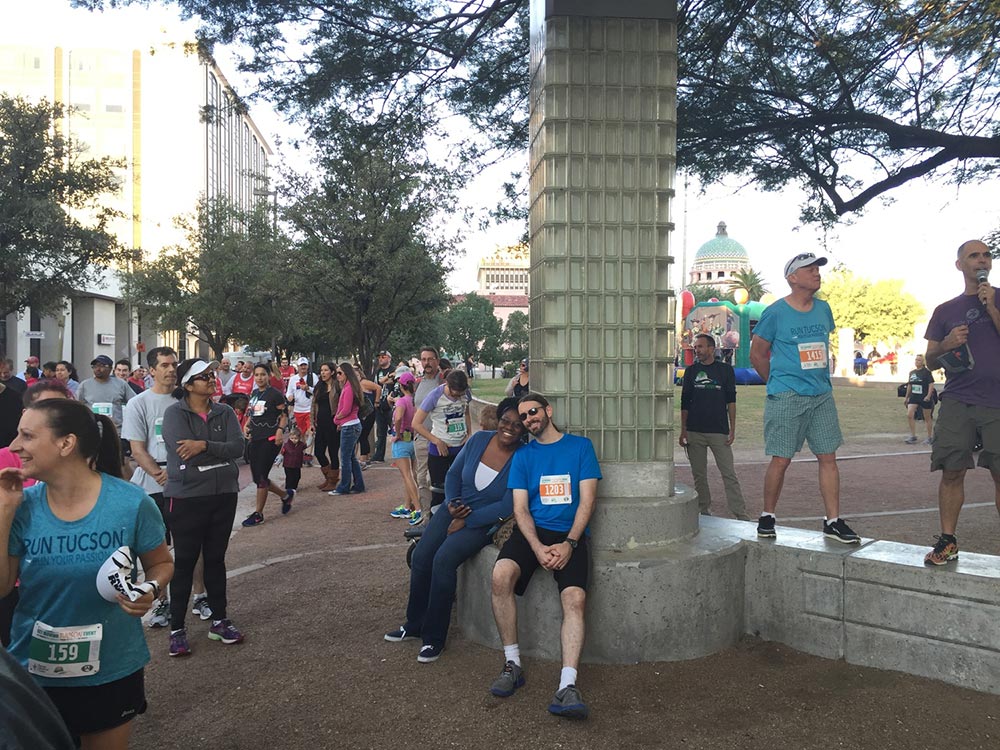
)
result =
(571, 542)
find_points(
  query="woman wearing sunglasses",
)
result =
(477, 487)
(202, 440)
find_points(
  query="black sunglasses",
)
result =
(203, 376)
(530, 413)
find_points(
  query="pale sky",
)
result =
(914, 239)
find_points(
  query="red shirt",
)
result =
(243, 386)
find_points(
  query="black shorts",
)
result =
(96, 708)
(261, 455)
(576, 572)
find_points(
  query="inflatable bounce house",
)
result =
(731, 323)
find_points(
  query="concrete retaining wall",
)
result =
(877, 605)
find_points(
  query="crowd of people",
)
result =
(138, 470)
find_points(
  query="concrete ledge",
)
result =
(942, 622)
(680, 602)
(877, 605)
(795, 589)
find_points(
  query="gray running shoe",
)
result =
(161, 615)
(201, 608)
(569, 703)
(510, 679)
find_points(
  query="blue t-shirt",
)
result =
(59, 561)
(800, 347)
(551, 473)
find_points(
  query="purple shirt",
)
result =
(979, 386)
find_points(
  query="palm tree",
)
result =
(750, 280)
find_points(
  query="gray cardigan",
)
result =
(212, 472)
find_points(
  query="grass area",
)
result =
(863, 410)
(489, 390)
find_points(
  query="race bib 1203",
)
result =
(555, 489)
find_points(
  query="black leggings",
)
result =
(437, 467)
(366, 431)
(200, 526)
(327, 441)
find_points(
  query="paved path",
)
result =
(315, 590)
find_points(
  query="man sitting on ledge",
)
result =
(554, 480)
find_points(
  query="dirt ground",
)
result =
(315, 591)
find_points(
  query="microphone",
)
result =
(982, 275)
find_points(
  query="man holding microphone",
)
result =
(963, 336)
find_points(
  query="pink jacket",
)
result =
(346, 406)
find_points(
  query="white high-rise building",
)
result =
(152, 99)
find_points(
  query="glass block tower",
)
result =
(602, 158)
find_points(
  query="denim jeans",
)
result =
(434, 575)
(350, 467)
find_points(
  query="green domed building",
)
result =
(717, 260)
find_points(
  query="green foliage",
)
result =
(848, 98)
(703, 293)
(879, 311)
(750, 280)
(224, 283)
(993, 241)
(515, 336)
(472, 329)
(370, 261)
(54, 224)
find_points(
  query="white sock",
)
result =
(765, 513)
(512, 653)
(832, 520)
(567, 677)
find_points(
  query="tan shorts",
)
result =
(955, 435)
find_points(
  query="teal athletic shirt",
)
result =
(800, 347)
(59, 561)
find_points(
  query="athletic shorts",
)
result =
(302, 421)
(403, 450)
(96, 708)
(791, 419)
(955, 435)
(260, 456)
(576, 572)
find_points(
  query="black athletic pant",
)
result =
(383, 416)
(200, 525)
(292, 477)
(327, 441)
(437, 467)
(366, 431)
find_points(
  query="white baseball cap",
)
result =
(302, 361)
(197, 368)
(114, 577)
(801, 261)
